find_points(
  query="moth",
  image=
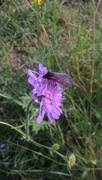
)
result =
(61, 78)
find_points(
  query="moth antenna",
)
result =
(37, 69)
(35, 72)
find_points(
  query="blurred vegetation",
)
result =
(66, 36)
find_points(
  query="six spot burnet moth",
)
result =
(59, 77)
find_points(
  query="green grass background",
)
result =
(65, 36)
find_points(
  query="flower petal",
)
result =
(51, 118)
(41, 116)
(31, 73)
(34, 96)
(42, 69)
(32, 81)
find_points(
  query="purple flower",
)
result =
(2, 145)
(48, 93)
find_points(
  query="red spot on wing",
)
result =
(52, 77)
(59, 80)
(65, 83)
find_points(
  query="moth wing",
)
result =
(62, 78)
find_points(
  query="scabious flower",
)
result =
(48, 93)
(39, 2)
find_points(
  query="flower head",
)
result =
(36, 2)
(48, 93)
(71, 161)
